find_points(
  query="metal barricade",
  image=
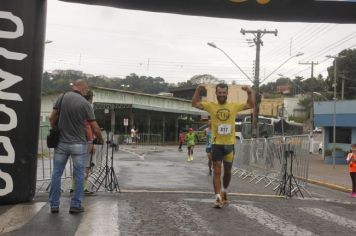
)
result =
(140, 139)
(266, 160)
(45, 162)
(299, 146)
(255, 160)
(99, 160)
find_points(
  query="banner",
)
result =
(22, 35)
(332, 11)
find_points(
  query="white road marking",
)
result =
(18, 216)
(271, 221)
(141, 157)
(101, 218)
(345, 222)
(211, 200)
(188, 221)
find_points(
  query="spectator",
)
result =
(133, 134)
(351, 160)
(181, 140)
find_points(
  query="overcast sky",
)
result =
(114, 42)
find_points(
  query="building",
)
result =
(118, 111)
(272, 107)
(345, 117)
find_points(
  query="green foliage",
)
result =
(59, 81)
(298, 119)
(329, 152)
(346, 70)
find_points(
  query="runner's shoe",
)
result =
(191, 158)
(218, 203)
(224, 198)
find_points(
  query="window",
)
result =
(343, 135)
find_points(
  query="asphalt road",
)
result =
(162, 194)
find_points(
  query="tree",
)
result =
(346, 70)
(204, 79)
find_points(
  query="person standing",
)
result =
(74, 110)
(181, 140)
(89, 134)
(190, 139)
(133, 134)
(351, 161)
(223, 116)
(207, 133)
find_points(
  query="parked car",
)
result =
(317, 130)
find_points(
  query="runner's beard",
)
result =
(222, 99)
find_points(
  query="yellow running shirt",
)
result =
(223, 121)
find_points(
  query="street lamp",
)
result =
(334, 114)
(319, 94)
(296, 55)
(243, 72)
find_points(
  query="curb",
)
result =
(329, 185)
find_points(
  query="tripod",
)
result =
(107, 174)
(288, 184)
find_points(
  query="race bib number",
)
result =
(224, 129)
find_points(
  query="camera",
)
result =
(96, 141)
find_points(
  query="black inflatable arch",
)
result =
(22, 35)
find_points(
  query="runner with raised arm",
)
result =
(223, 116)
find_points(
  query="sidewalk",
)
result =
(326, 175)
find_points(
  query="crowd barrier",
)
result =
(264, 160)
(272, 160)
(45, 163)
(139, 139)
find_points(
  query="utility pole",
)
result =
(312, 63)
(336, 58)
(258, 42)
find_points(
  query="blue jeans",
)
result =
(79, 154)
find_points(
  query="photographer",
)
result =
(74, 109)
(91, 148)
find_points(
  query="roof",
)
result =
(332, 11)
(142, 94)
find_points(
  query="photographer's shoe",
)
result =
(89, 193)
(54, 209)
(76, 210)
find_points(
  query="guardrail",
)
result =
(274, 161)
